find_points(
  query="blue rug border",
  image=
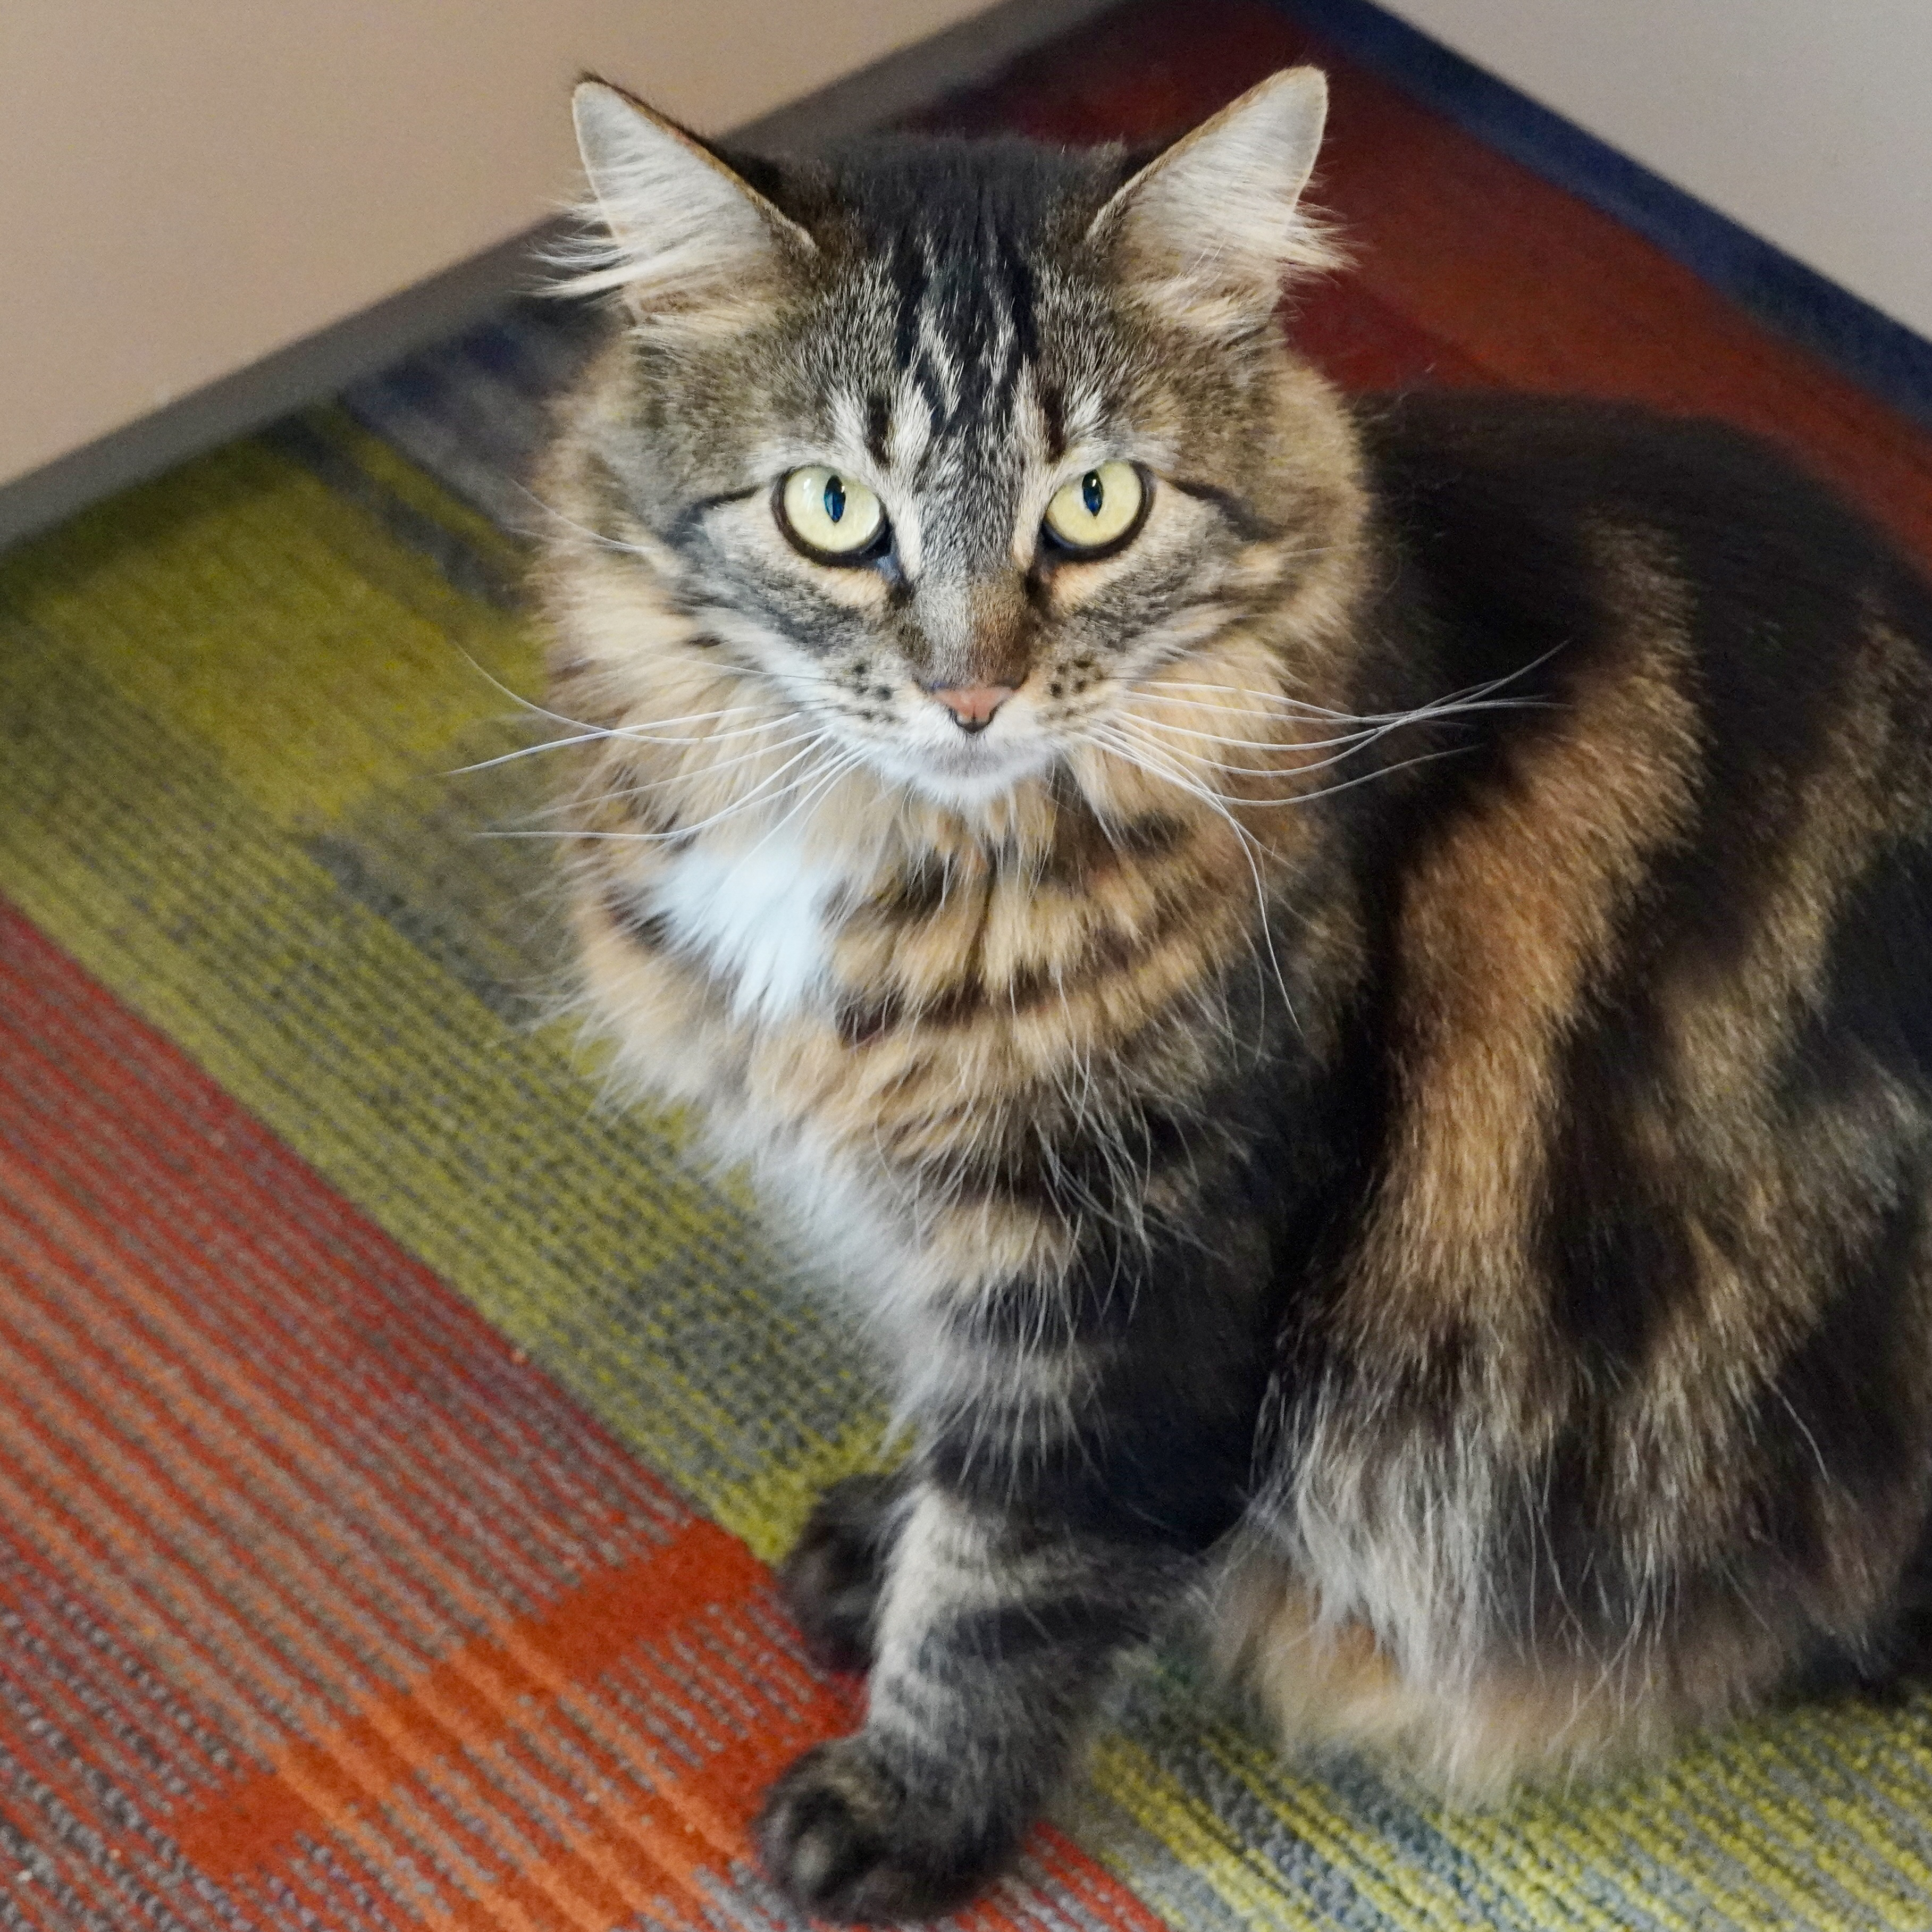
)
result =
(1891, 361)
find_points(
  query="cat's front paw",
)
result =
(832, 1580)
(843, 1838)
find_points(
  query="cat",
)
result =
(1342, 981)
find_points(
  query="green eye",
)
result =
(828, 515)
(1098, 510)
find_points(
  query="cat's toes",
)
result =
(840, 1838)
(832, 1580)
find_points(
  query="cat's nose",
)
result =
(972, 705)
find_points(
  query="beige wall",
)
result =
(1809, 121)
(188, 185)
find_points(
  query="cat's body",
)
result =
(1388, 1090)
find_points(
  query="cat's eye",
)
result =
(1098, 511)
(831, 518)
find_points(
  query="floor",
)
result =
(394, 1436)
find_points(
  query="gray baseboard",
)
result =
(305, 371)
(320, 364)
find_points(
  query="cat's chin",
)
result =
(970, 777)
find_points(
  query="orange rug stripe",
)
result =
(478, 1692)
(426, 1637)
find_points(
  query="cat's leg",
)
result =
(834, 1579)
(1084, 1447)
(994, 1642)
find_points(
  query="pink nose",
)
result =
(972, 705)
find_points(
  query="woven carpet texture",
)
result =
(394, 1435)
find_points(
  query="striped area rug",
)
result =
(393, 1436)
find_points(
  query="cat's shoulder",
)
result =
(1570, 455)
(1565, 514)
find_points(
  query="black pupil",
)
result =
(834, 498)
(1091, 494)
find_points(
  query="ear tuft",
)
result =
(1210, 229)
(668, 223)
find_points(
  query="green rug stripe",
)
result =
(484, 1152)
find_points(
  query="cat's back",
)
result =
(1658, 1058)
(1648, 1232)
(1715, 674)
(1676, 905)
(1565, 520)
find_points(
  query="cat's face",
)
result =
(957, 445)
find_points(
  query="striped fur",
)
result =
(1387, 1094)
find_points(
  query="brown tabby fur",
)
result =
(1468, 1228)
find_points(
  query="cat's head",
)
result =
(959, 444)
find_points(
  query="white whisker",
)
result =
(1470, 698)
(582, 530)
(1249, 744)
(1354, 742)
(761, 790)
(1157, 687)
(522, 702)
(846, 761)
(1363, 777)
(1323, 764)
(1121, 748)
(577, 802)
(596, 734)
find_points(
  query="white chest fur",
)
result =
(757, 917)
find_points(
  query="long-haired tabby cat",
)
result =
(1344, 982)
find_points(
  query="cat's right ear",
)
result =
(1209, 230)
(682, 236)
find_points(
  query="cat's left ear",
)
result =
(1209, 230)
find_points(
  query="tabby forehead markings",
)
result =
(966, 331)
